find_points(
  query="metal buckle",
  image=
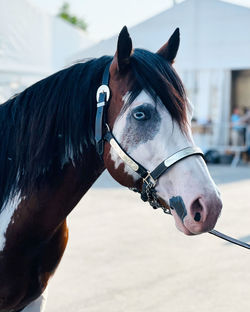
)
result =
(103, 89)
(149, 180)
(107, 127)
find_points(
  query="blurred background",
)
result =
(39, 37)
(122, 255)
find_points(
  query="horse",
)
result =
(57, 139)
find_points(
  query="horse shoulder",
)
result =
(36, 272)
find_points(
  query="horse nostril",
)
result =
(197, 217)
(196, 209)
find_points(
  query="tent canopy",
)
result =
(31, 41)
(213, 35)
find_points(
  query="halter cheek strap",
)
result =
(102, 98)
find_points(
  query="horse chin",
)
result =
(185, 231)
(188, 229)
(180, 225)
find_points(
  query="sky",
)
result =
(106, 17)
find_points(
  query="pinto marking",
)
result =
(143, 152)
(39, 304)
(9, 208)
(166, 137)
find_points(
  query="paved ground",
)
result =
(123, 256)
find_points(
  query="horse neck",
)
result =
(46, 207)
(64, 191)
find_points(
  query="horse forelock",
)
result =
(153, 74)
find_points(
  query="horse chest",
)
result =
(24, 272)
(19, 280)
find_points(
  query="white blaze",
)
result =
(166, 142)
(188, 179)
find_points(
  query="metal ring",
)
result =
(103, 89)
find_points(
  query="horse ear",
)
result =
(170, 49)
(124, 50)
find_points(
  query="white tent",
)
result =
(33, 44)
(214, 42)
(212, 33)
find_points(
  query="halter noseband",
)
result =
(149, 178)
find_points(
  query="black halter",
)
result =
(148, 192)
(149, 179)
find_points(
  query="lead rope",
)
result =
(155, 204)
(230, 239)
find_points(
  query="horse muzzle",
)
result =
(201, 216)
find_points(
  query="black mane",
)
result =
(53, 120)
(46, 124)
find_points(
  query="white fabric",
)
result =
(213, 35)
(34, 41)
(33, 44)
(25, 39)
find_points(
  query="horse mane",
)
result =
(47, 124)
(52, 121)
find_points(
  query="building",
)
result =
(213, 60)
(33, 44)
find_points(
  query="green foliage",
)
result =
(65, 14)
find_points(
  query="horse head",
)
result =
(150, 116)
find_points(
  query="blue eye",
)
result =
(143, 112)
(139, 115)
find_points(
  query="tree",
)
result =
(65, 14)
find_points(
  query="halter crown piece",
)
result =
(149, 179)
